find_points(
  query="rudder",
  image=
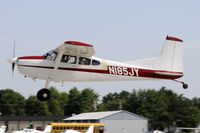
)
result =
(171, 56)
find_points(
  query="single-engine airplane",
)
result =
(73, 61)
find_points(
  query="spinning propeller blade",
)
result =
(13, 61)
(13, 68)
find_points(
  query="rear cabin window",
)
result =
(95, 62)
(68, 59)
(84, 61)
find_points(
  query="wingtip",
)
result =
(77, 43)
(174, 39)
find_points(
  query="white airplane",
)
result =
(73, 61)
(29, 130)
(157, 131)
(2, 129)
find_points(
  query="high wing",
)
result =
(73, 48)
(76, 48)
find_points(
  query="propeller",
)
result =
(13, 63)
(13, 60)
(13, 68)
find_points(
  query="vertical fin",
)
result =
(171, 56)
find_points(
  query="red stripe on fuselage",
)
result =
(32, 57)
(140, 72)
(153, 74)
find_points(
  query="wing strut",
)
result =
(58, 59)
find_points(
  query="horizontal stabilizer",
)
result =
(170, 58)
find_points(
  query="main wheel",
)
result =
(44, 94)
(185, 86)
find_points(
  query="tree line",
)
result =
(163, 108)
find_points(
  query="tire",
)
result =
(185, 86)
(44, 94)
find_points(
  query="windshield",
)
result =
(51, 55)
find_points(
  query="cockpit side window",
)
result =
(95, 62)
(84, 61)
(51, 55)
(68, 59)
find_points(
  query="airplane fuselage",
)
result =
(74, 61)
(38, 67)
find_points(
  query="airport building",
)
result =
(115, 121)
(19, 122)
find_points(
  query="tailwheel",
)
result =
(44, 94)
(185, 86)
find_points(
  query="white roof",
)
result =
(92, 115)
(100, 115)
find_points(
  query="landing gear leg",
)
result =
(185, 86)
(44, 94)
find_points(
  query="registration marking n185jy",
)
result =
(117, 70)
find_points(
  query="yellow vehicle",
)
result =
(80, 127)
